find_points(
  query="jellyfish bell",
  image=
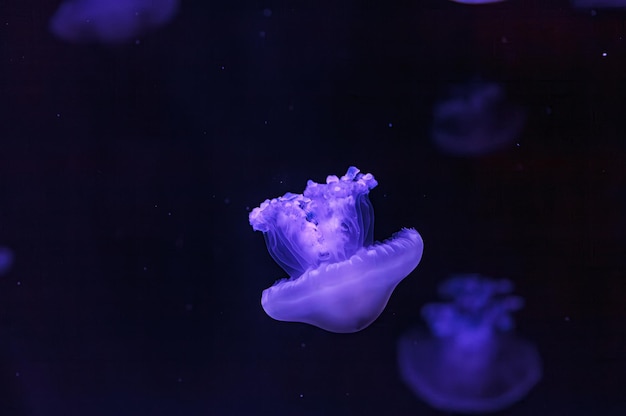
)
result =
(340, 280)
(468, 378)
(349, 295)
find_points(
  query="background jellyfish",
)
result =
(6, 259)
(476, 119)
(473, 363)
(340, 280)
(109, 21)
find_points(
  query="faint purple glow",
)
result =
(109, 21)
(472, 363)
(599, 4)
(6, 259)
(476, 119)
(340, 279)
(477, 1)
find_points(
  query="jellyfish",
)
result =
(476, 119)
(473, 363)
(340, 280)
(6, 259)
(109, 21)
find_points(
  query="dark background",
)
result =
(127, 173)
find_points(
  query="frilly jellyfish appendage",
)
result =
(109, 21)
(340, 280)
(476, 119)
(472, 363)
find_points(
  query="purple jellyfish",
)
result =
(473, 364)
(109, 21)
(476, 119)
(340, 280)
(6, 259)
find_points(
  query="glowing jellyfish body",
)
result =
(340, 280)
(109, 21)
(473, 363)
(476, 119)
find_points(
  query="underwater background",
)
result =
(128, 170)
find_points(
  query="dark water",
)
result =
(127, 174)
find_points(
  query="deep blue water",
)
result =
(127, 173)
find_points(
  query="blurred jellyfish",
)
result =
(599, 4)
(109, 21)
(474, 363)
(6, 259)
(476, 119)
(340, 280)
